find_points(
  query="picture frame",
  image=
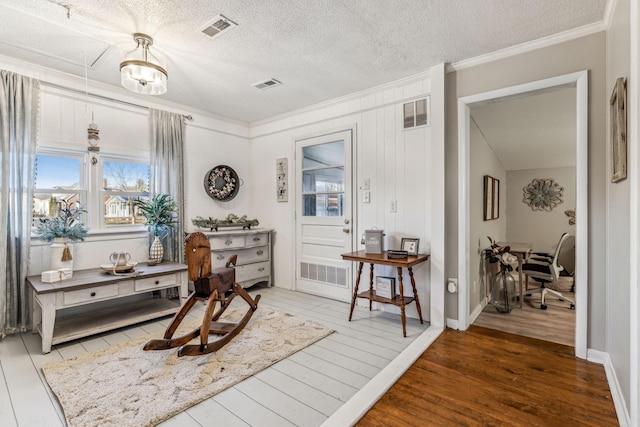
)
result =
(410, 245)
(282, 180)
(491, 198)
(618, 125)
(386, 287)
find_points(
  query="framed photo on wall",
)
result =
(491, 198)
(618, 118)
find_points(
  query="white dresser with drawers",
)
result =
(253, 248)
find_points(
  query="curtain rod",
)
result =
(106, 98)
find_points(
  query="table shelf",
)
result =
(371, 295)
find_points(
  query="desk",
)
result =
(88, 287)
(520, 250)
(361, 257)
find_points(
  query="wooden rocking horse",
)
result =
(215, 286)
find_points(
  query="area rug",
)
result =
(126, 386)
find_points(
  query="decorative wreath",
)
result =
(542, 194)
(221, 183)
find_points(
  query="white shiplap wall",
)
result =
(395, 160)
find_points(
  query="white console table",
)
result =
(253, 248)
(96, 285)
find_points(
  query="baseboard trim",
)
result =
(603, 358)
(358, 405)
(474, 315)
(452, 324)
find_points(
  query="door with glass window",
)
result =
(324, 220)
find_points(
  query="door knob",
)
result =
(346, 230)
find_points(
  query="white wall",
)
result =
(541, 228)
(618, 216)
(483, 162)
(396, 161)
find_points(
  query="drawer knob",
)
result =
(260, 252)
(228, 242)
(220, 257)
(93, 294)
(261, 269)
(157, 282)
(256, 239)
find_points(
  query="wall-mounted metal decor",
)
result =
(221, 183)
(542, 194)
(282, 181)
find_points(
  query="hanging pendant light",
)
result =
(141, 71)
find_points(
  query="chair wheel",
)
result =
(573, 306)
(543, 306)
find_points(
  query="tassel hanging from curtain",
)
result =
(19, 100)
(167, 171)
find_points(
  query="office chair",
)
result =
(544, 268)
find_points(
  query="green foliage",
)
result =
(159, 213)
(66, 224)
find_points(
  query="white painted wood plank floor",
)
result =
(302, 390)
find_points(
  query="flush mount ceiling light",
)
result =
(141, 71)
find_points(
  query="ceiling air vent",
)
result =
(218, 26)
(267, 84)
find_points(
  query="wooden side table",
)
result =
(382, 259)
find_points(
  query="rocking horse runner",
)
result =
(215, 286)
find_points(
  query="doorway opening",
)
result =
(511, 159)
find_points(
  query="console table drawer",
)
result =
(83, 296)
(157, 282)
(252, 271)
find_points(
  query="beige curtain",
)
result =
(18, 127)
(167, 171)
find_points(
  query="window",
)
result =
(123, 181)
(106, 190)
(323, 179)
(59, 179)
(415, 113)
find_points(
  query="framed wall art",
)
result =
(618, 117)
(491, 198)
(282, 180)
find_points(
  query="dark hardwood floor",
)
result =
(483, 377)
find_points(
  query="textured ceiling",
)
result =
(319, 49)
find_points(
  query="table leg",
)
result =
(519, 255)
(402, 313)
(370, 287)
(48, 321)
(415, 294)
(355, 289)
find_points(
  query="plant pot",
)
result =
(58, 249)
(156, 251)
(503, 292)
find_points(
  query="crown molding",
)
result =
(608, 12)
(529, 46)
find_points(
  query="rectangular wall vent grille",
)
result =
(329, 274)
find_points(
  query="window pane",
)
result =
(408, 115)
(323, 204)
(57, 172)
(125, 176)
(322, 180)
(119, 209)
(46, 205)
(421, 112)
(329, 154)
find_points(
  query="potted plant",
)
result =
(503, 288)
(61, 229)
(159, 213)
